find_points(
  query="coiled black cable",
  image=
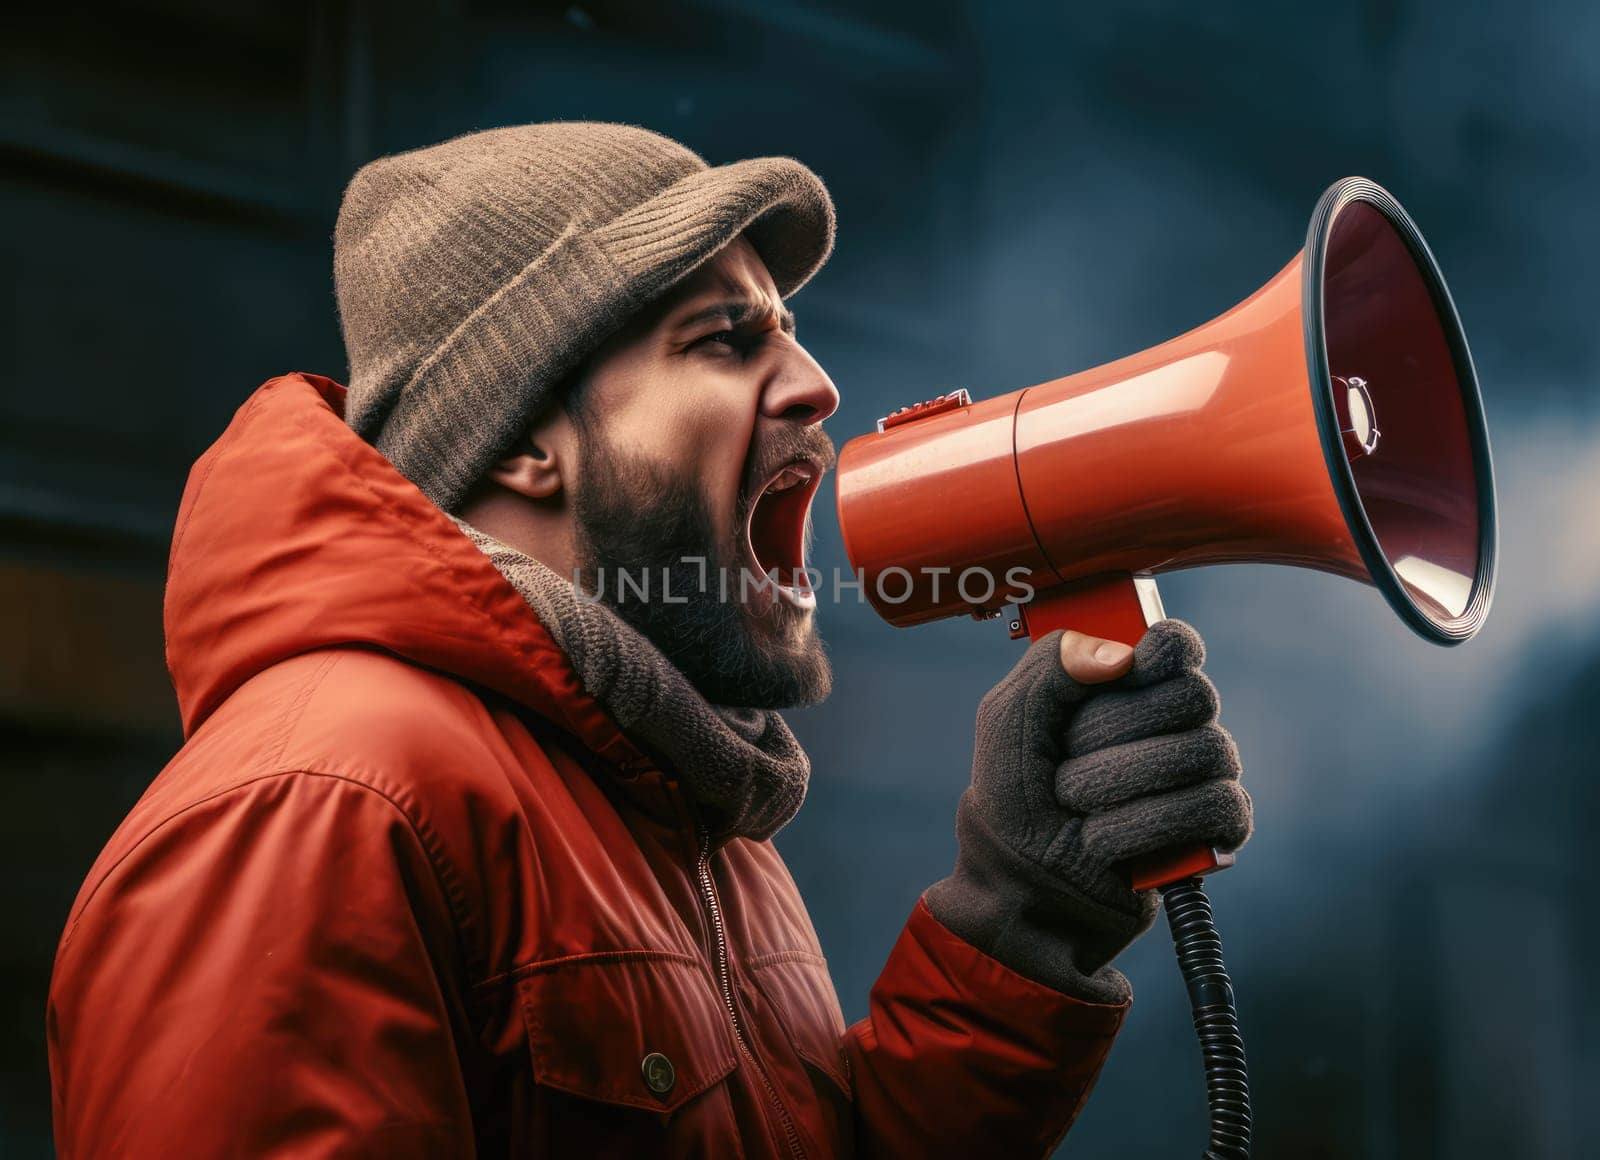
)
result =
(1216, 1021)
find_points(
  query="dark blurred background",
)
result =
(1023, 190)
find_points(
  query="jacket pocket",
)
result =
(627, 1048)
(797, 985)
(797, 989)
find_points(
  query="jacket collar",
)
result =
(295, 534)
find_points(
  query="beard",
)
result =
(640, 525)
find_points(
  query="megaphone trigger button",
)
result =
(950, 401)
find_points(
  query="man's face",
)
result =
(700, 448)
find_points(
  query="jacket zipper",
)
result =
(719, 938)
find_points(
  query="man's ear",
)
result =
(538, 466)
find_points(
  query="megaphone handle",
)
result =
(1120, 607)
(1117, 606)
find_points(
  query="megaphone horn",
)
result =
(1332, 420)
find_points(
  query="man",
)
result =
(459, 858)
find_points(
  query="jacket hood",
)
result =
(295, 534)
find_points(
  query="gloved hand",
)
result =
(1072, 775)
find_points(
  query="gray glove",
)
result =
(1070, 780)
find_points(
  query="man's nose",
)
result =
(801, 392)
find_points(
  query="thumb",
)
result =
(1093, 660)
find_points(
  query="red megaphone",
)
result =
(1332, 421)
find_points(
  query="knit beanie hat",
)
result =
(473, 276)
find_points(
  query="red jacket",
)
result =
(406, 891)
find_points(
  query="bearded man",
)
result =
(461, 858)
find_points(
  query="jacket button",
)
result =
(659, 1074)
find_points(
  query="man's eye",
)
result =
(726, 338)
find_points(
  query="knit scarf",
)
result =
(743, 767)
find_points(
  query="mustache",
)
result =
(784, 447)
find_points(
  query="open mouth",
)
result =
(776, 530)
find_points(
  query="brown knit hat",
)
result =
(473, 276)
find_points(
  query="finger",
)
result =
(1168, 647)
(1030, 707)
(1093, 660)
(1214, 813)
(1119, 715)
(1140, 769)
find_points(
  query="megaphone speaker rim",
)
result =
(1440, 630)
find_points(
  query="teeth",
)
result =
(788, 478)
